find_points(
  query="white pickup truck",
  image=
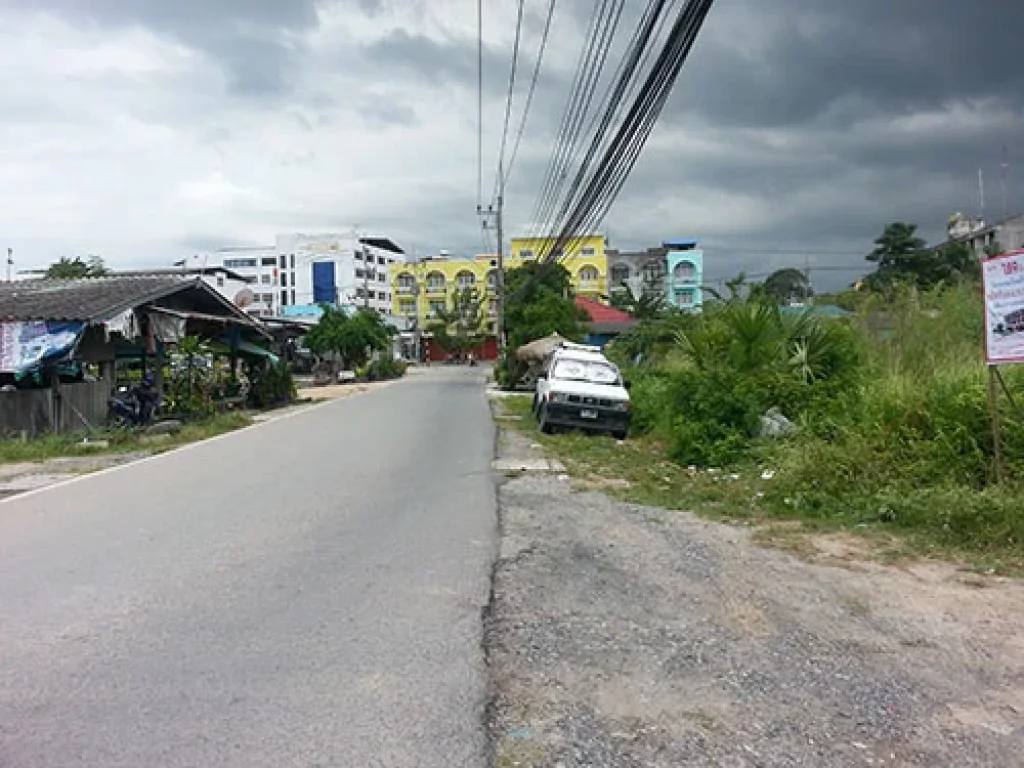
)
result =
(579, 387)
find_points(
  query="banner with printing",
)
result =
(25, 346)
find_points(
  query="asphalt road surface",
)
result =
(303, 593)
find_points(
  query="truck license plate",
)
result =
(587, 414)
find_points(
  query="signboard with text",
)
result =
(25, 346)
(1003, 280)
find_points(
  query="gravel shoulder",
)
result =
(619, 635)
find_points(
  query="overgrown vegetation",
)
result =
(892, 432)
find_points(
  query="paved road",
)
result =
(303, 593)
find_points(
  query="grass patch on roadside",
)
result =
(117, 441)
(746, 494)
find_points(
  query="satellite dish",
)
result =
(244, 298)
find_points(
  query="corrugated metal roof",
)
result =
(601, 313)
(86, 300)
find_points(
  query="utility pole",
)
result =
(808, 293)
(10, 263)
(499, 283)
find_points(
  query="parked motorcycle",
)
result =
(133, 406)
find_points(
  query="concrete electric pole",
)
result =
(499, 282)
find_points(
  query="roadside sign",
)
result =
(1003, 281)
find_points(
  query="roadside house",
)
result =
(92, 323)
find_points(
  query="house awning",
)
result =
(247, 347)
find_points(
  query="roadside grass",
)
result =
(639, 470)
(106, 442)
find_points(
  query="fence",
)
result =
(72, 408)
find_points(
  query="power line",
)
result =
(533, 86)
(620, 154)
(638, 51)
(498, 180)
(588, 71)
(623, 150)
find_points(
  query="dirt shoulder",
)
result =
(623, 635)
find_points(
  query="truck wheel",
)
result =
(620, 434)
(545, 426)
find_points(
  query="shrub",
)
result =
(385, 369)
(272, 384)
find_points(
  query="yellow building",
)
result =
(420, 289)
(584, 258)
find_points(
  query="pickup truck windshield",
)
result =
(580, 370)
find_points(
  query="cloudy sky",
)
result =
(144, 130)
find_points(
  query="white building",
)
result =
(300, 272)
(340, 269)
(256, 265)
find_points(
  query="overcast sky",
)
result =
(144, 130)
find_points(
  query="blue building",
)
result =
(684, 274)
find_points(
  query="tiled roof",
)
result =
(603, 314)
(86, 300)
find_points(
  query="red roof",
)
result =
(603, 314)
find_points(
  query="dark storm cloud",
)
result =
(840, 61)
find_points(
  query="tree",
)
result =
(351, 338)
(71, 269)
(649, 305)
(457, 329)
(902, 257)
(539, 302)
(895, 246)
(784, 286)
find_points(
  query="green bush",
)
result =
(271, 385)
(385, 369)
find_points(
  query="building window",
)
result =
(268, 261)
(293, 261)
(239, 263)
(492, 280)
(265, 279)
(360, 293)
(293, 295)
(284, 298)
(686, 298)
(381, 295)
(381, 277)
(267, 298)
(653, 271)
(436, 308)
(284, 261)
(466, 279)
(492, 307)
(526, 253)
(435, 282)
(588, 251)
(407, 307)
(620, 273)
(589, 274)
(685, 271)
(360, 273)
(381, 260)
(359, 255)
(406, 283)
(220, 281)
